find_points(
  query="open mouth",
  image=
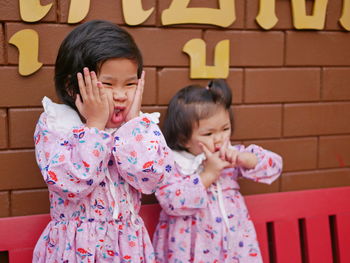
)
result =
(118, 115)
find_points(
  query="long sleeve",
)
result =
(182, 195)
(268, 168)
(142, 154)
(72, 163)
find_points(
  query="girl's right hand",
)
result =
(213, 165)
(93, 102)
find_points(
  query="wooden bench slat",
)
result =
(343, 237)
(318, 240)
(287, 241)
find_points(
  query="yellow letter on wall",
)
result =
(27, 43)
(134, 13)
(196, 49)
(345, 17)
(32, 10)
(266, 17)
(178, 13)
(78, 10)
(315, 21)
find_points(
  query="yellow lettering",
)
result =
(345, 16)
(32, 10)
(196, 49)
(78, 10)
(178, 13)
(266, 17)
(315, 21)
(27, 43)
(134, 14)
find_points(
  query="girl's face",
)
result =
(212, 132)
(119, 78)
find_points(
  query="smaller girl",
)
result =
(204, 217)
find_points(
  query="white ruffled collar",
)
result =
(62, 118)
(188, 163)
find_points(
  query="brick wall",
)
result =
(291, 90)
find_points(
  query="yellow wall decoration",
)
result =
(27, 43)
(196, 49)
(134, 14)
(78, 10)
(345, 17)
(266, 17)
(179, 13)
(32, 10)
(314, 21)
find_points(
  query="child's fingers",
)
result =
(87, 80)
(81, 85)
(139, 90)
(95, 89)
(206, 151)
(223, 149)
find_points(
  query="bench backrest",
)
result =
(310, 226)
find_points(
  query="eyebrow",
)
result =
(108, 77)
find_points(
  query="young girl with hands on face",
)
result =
(97, 154)
(206, 220)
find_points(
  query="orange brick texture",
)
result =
(291, 90)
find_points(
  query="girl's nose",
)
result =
(119, 95)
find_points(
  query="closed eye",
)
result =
(107, 84)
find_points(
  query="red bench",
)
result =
(310, 226)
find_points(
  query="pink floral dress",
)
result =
(210, 225)
(95, 179)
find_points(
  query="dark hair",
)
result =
(89, 45)
(192, 104)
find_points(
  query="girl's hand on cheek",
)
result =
(93, 102)
(212, 166)
(135, 107)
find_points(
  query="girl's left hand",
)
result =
(135, 107)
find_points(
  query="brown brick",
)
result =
(239, 6)
(167, 49)
(4, 204)
(29, 202)
(3, 128)
(18, 170)
(110, 10)
(258, 121)
(334, 151)
(336, 83)
(22, 91)
(172, 80)
(50, 38)
(279, 85)
(334, 11)
(297, 154)
(315, 179)
(150, 92)
(317, 48)
(2, 46)
(248, 48)
(22, 125)
(10, 11)
(249, 187)
(316, 119)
